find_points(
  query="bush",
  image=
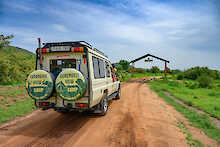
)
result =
(195, 72)
(180, 76)
(205, 81)
(155, 69)
(15, 65)
(139, 70)
(173, 83)
(194, 85)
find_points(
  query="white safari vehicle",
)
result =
(72, 76)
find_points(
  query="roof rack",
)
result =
(95, 49)
(75, 42)
(69, 43)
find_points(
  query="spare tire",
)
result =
(40, 85)
(70, 84)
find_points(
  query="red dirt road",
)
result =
(138, 119)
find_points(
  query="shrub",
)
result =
(180, 76)
(155, 69)
(173, 83)
(194, 85)
(139, 70)
(195, 72)
(205, 81)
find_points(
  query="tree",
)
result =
(155, 69)
(125, 64)
(4, 40)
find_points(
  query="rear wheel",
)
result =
(117, 97)
(104, 106)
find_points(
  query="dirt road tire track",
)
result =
(138, 119)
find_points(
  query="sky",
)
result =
(185, 32)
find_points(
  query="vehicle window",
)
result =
(96, 67)
(101, 68)
(107, 69)
(56, 66)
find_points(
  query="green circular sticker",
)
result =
(70, 84)
(39, 85)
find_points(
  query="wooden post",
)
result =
(165, 71)
(132, 67)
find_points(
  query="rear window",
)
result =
(56, 66)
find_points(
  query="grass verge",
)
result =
(200, 121)
(185, 130)
(14, 102)
(18, 109)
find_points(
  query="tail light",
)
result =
(44, 50)
(80, 105)
(44, 104)
(78, 49)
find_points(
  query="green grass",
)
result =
(204, 99)
(12, 92)
(142, 75)
(18, 109)
(12, 106)
(185, 130)
(14, 84)
(200, 121)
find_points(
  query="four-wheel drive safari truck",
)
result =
(72, 76)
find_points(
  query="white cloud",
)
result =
(180, 35)
(59, 27)
(19, 6)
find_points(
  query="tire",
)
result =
(104, 106)
(70, 84)
(117, 97)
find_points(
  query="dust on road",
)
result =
(138, 119)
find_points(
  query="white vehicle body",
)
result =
(93, 64)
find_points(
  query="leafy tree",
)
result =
(17, 64)
(205, 81)
(123, 65)
(155, 69)
(195, 72)
(4, 40)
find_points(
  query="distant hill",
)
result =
(15, 65)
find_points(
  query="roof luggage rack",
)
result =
(69, 43)
(75, 42)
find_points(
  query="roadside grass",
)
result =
(185, 130)
(200, 121)
(13, 103)
(13, 85)
(143, 75)
(207, 100)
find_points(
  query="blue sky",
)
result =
(186, 32)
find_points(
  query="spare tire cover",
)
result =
(40, 84)
(70, 84)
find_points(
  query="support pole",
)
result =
(165, 71)
(132, 67)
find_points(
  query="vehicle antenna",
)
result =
(39, 46)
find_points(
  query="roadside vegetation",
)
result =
(15, 65)
(14, 102)
(197, 87)
(124, 71)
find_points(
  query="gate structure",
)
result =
(149, 55)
